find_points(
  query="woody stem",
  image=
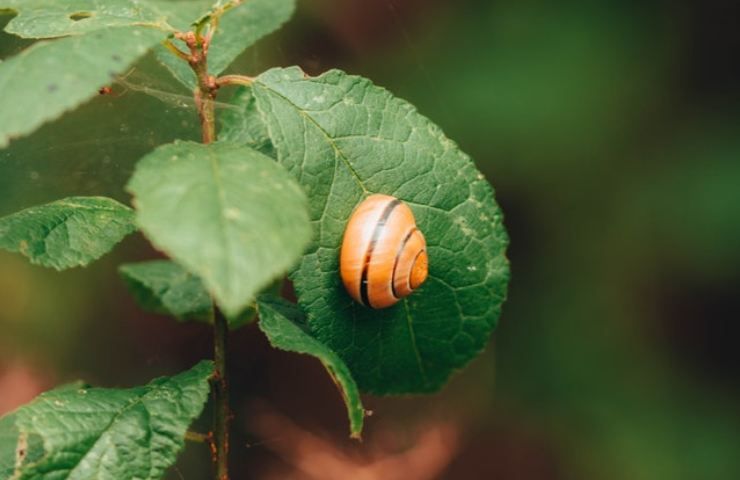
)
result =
(222, 412)
(205, 96)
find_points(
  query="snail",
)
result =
(383, 256)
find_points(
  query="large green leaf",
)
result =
(67, 233)
(101, 433)
(344, 139)
(225, 212)
(47, 19)
(239, 28)
(162, 286)
(286, 329)
(52, 77)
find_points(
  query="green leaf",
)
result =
(286, 329)
(344, 139)
(164, 287)
(67, 233)
(103, 433)
(244, 125)
(225, 212)
(239, 28)
(52, 77)
(45, 19)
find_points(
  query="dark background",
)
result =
(610, 131)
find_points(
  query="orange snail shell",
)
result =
(383, 257)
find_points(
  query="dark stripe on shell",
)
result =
(398, 257)
(373, 240)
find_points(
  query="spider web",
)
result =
(92, 150)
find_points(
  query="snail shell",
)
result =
(383, 257)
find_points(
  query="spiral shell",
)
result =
(383, 257)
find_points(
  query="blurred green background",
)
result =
(611, 132)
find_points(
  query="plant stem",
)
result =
(207, 114)
(207, 88)
(222, 413)
(205, 95)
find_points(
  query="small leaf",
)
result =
(67, 233)
(244, 125)
(344, 138)
(164, 287)
(240, 27)
(103, 433)
(286, 329)
(52, 77)
(45, 19)
(227, 213)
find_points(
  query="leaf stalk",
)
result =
(234, 80)
(196, 437)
